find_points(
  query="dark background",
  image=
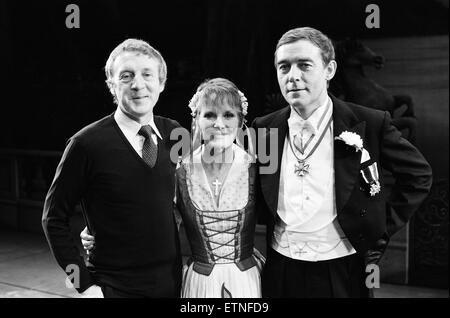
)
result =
(53, 79)
(52, 84)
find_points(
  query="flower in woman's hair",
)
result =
(193, 103)
(244, 103)
(351, 139)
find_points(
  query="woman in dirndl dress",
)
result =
(216, 198)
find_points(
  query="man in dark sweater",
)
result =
(120, 170)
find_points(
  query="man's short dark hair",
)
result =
(314, 36)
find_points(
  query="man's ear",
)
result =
(110, 86)
(111, 90)
(331, 70)
(161, 88)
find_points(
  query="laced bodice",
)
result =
(223, 233)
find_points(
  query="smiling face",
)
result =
(302, 75)
(218, 125)
(136, 84)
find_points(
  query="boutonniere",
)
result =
(371, 177)
(351, 139)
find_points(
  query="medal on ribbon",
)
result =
(371, 177)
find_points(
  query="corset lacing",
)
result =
(214, 246)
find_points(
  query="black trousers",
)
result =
(343, 277)
(162, 281)
(112, 292)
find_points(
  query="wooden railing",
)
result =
(26, 174)
(25, 177)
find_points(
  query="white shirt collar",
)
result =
(314, 118)
(131, 127)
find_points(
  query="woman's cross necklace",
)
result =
(219, 177)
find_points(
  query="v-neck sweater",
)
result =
(128, 206)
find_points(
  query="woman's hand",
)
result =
(87, 240)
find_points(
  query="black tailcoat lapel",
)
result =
(270, 183)
(346, 158)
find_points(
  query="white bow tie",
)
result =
(296, 127)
